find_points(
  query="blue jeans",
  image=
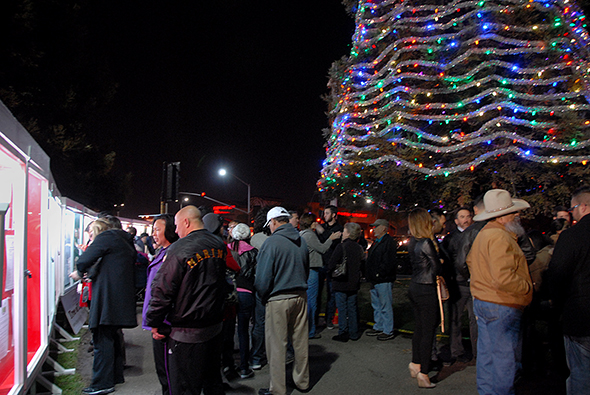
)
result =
(313, 283)
(330, 301)
(577, 351)
(347, 313)
(258, 352)
(382, 303)
(246, 303)
(497, 347)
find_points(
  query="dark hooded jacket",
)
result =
(283, 264)
(111, 258)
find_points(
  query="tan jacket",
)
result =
(499, 271)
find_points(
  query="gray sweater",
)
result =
(316, 247)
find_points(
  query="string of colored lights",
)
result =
(429, 87)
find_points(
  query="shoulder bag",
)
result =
(340, 270)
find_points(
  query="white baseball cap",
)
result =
(276, 212)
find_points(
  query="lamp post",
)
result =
(204, 196)
(118, 208)
(223, 173)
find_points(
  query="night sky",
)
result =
(225, 83)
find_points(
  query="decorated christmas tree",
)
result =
(439, 101)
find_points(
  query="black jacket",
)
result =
(425, 261)
(354, 258)
(247, 262)
(328, 230)
(459, 246)
(111, 256)
(381, 264)
(190, 287)
(568, 277)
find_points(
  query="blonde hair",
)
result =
(420, 224)
(98, 227)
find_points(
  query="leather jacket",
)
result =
(425, 261)
(459, 248)
(247, 262)
(190, 288)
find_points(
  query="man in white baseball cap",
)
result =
(276, 212)
(501, 287)
(281, 283)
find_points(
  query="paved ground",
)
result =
(367, 366)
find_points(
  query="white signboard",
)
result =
(76, 315)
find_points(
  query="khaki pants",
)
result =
(287, 319)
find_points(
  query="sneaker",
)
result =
(343, 337)
(373, 332)
(316, 336)
(385, 336)
(246, 373)
(463, 358)
(230, 372)
(330, 325)
(257, 365)
(96, 391)
(436, 366)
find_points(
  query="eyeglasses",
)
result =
(573, 208)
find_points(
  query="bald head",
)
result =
(187, 220)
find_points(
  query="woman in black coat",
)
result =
(346, 287)
(111, 260)
(426, 265)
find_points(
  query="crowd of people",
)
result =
(205, 280)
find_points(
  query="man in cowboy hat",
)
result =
(501, 287)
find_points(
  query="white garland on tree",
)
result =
(408, 67)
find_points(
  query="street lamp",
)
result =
(223, 173)
(118, 207)
(204, 196)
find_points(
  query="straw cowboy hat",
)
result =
(498, 203)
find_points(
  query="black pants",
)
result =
(424, 302)
(160, 359)
(456, 308)
(107, 369)
(195, 367)
(229, 330)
